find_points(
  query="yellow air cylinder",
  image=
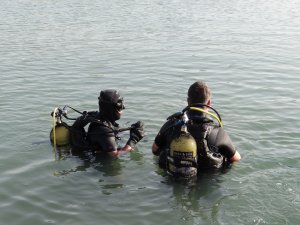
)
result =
(183, 147)
(62, 135)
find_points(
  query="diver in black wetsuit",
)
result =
(102, 132)
(214, 146)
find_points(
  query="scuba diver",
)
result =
(102, 135)
(102, 132)
(190, 141)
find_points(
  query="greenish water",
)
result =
(55, 53)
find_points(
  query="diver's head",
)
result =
(199, 92)
(111, 104)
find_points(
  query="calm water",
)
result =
(64, 52)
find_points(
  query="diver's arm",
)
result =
(221, 139)
(160, 139)
(120, 151)
(235, 157)
(103, 139)
(136, 134)
(155, 149)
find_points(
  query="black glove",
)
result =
(136, 133)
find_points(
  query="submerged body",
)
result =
(202, 129)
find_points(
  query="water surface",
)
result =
(57, 53)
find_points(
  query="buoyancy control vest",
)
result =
(75, 135)
(189, 150)
(78, 132)
(208, 155)
(202, 128)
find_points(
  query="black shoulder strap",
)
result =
(176, 115)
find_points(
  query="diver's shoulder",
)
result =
(176, 115)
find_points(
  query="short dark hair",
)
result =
(199, 92)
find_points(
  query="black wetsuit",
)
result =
(102, 136)
(218, 141)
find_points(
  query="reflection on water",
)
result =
(199, 197)
(101, 162)
(107, 165)
(61, 153)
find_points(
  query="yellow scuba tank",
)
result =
(182, 158)
(62, 134)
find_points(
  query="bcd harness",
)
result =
(64, 134)
(186, 154)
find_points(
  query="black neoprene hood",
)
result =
(109, 96)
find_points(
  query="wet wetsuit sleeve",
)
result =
(220, 139)
(102, 138)
(161, 139)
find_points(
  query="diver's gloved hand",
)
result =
(136, 133)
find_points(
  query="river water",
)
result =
(56, 53)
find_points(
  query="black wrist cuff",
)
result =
(131, 143)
